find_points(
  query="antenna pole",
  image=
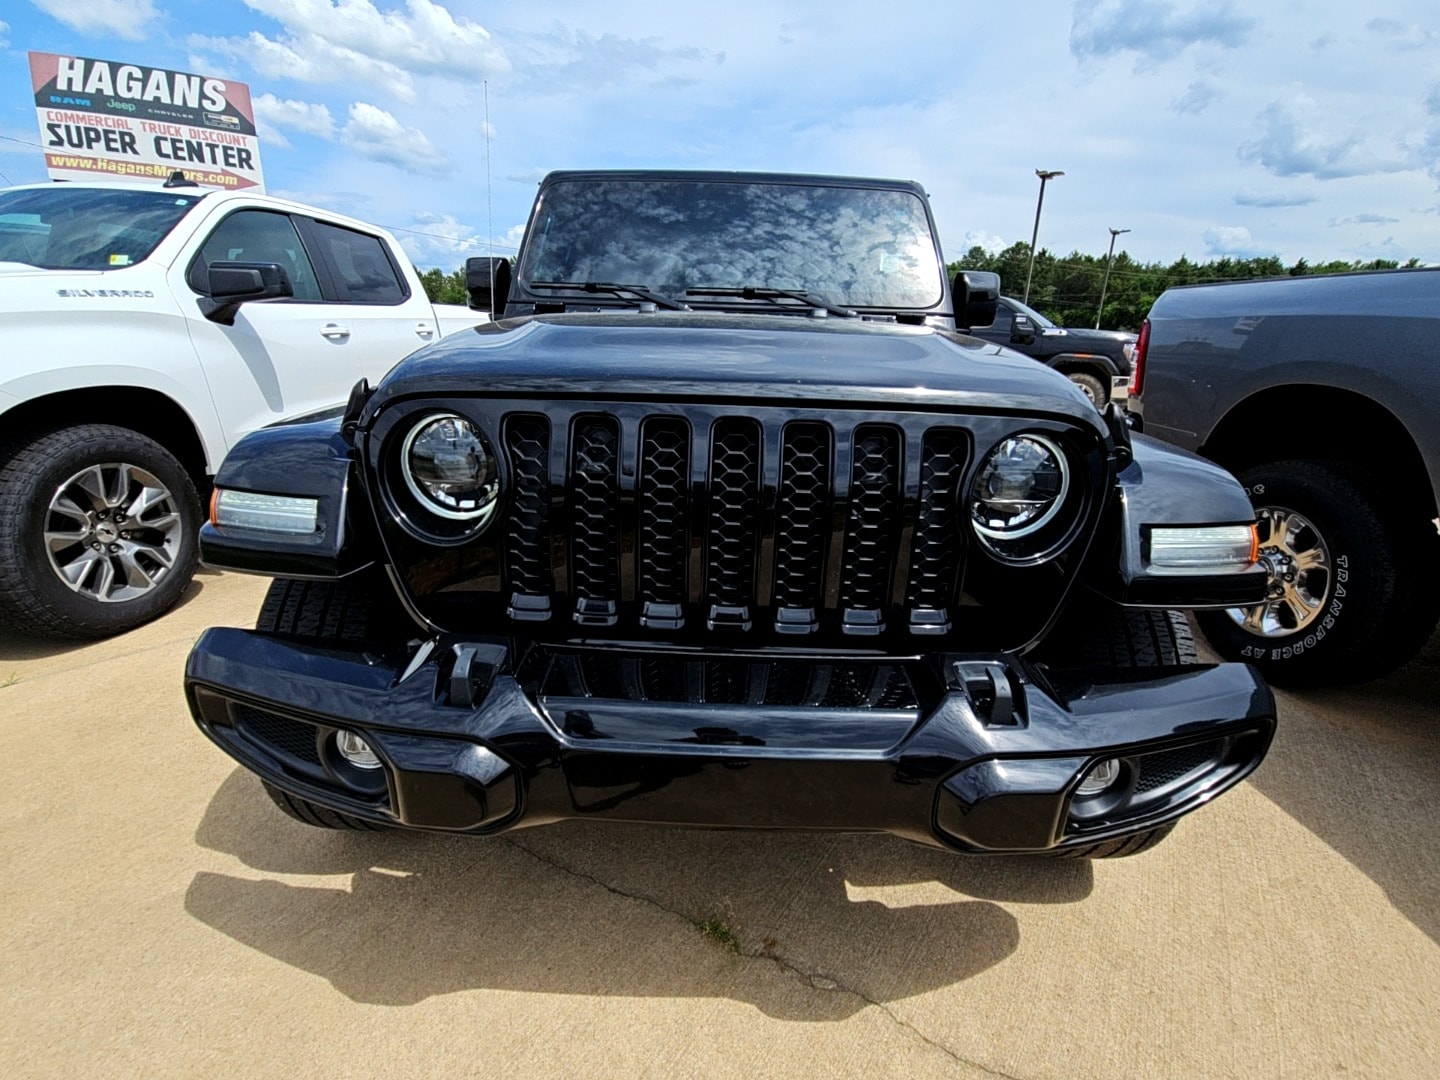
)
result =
(489, 200)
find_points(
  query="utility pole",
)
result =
(1043, 174)
(1109, 262)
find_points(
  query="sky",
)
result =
(1208, 129)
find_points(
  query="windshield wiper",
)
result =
(751, 292)
(615, 289)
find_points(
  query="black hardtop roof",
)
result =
(722, 176)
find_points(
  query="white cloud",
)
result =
(1198, 97)
(1290, 146)
(1363, 219)
(273, 114)
(982, 239)
(1153, 28)
(1229, 240)
(128, 19)
(345, 41)
(1254, 198)
(1402, 35)
(4, 35)
(376, 134)
(445, 240)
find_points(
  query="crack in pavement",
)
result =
(817, 980)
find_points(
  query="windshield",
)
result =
(860, 247)
(1035, 317)
(70, 228)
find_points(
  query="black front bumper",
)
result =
(980, 753)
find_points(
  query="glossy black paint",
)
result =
(306, 458)
(937, 773)
(1165, 485)
(685, 357)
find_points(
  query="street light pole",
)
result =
(1043, 174)
(1109, 262)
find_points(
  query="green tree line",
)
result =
(1067, 290)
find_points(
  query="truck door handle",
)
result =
(334, 331)
(424, 329)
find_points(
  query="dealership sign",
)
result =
(102, 119)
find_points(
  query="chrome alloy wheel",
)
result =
(1298, 562)
(112, 532)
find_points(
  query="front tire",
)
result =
(1095, 389)
(1355, 591)
(328, 611)
(1095, 633)
(98, 529)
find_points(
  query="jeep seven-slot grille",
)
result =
(732, 523)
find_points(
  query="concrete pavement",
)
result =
(162, 918)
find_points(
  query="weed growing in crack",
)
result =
(716, 931)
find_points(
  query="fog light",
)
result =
(1099, 778)
(356, 750)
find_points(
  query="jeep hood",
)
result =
(734, 356)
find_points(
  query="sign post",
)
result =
(100, 119)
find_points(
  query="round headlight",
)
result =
(449, 466)
(1020, 487)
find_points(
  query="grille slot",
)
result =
(527, 545)
(664, 513)
(806, 465)
(595, 519)
(732, 523)
(935, 557)
(870, 530)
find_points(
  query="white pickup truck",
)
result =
(134, 353)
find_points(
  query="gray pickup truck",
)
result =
(1322, 394)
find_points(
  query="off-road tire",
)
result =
(320, 817)
(329, 611)
(1095, 389)
(333, 610)
(33, 599)
(1096, 633)
(1383, 595)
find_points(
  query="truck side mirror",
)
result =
(230, 284)
(487, 280)
(976, 294)
(1022, 331)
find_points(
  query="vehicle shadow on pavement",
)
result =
(583, 908)
(1360, 768)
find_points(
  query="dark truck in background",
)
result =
(1092, 359)
(1322, 394)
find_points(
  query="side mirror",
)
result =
(487, 280)
(230, 284)
(976, 294)
(1022, 331)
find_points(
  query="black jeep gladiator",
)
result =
(721, 523)
(1323, 395)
